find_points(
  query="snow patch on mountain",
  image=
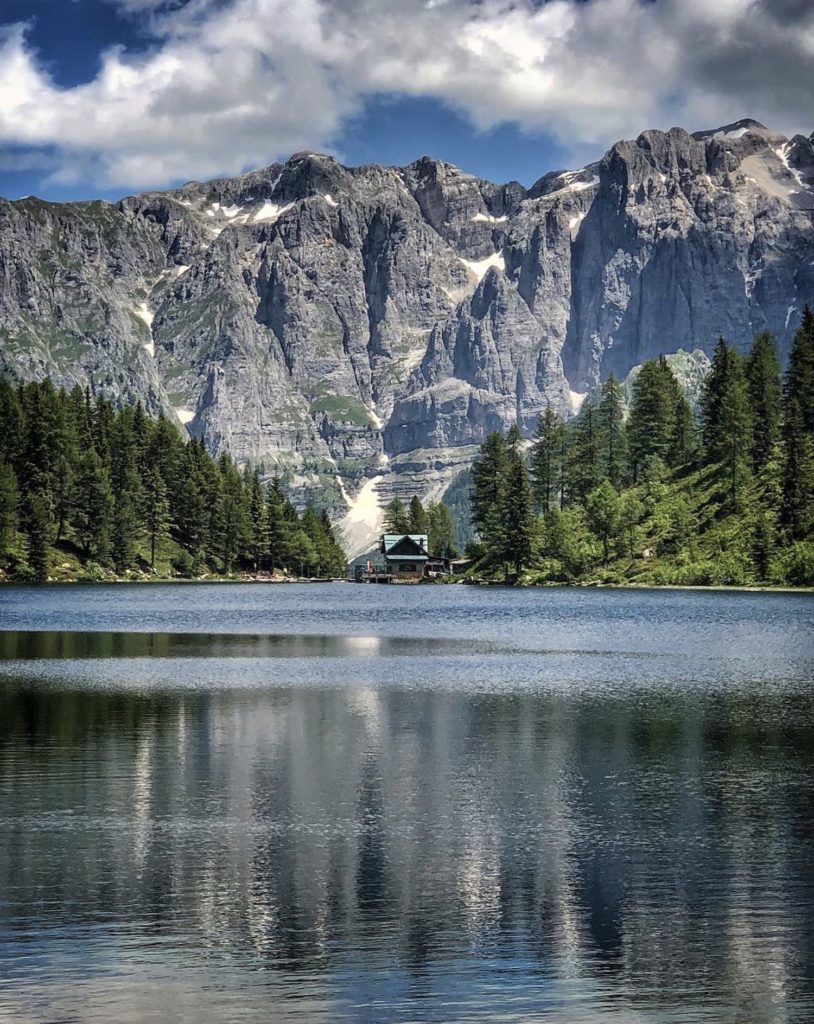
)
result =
(270, 211)
(480, 267)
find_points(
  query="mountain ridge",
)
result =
(349, 324)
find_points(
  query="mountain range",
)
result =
(361, 329)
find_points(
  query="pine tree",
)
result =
(516, 514)
(797, 502)
(12, 424)
(396, 518)
(156, 511)
(726, 420)
(92, 506)
(799, 382)
(584, 469)
(651, 427)
(489, 481)
(234, 514)
(258, 522)
(278, 525)
(418, 519)
(9, 498)
(125, 530)
(683, 449)
(765, 398)
(441, 530)
(613, 457)
(39, 528)
(546, 461)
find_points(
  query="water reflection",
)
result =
(377, 855)
(41, 645)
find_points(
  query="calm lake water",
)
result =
(355, 803)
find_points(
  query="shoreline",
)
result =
(754, 588)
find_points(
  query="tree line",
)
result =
(124, 490)
(739, 474)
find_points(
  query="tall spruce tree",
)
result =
(797, 501)
(441, 530)
(419, 520)
(9, 499)
(489, 481)
(584, 463)
(546, 461)
(765, 398)
(796, 513)
(651, 427)
(156, 511)
(613, 447)
(799, 381)
(516, 514)
(396, 517)
(39, 529)
(93, 506)
(726, 419)
(278, 525)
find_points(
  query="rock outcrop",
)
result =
(364, 328)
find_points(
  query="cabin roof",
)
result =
(419, 540)
(406, 547)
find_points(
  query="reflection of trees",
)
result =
(652, 844)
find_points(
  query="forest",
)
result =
(90, 492)
(648, 491)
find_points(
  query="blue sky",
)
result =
(106, 97)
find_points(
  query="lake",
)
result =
(355, 803)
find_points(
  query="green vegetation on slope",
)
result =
(657, 496)
(90, 492)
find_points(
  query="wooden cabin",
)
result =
(405, 555)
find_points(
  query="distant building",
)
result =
(405, 554)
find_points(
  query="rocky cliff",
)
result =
(362, 329)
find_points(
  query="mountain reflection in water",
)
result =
(587, 854)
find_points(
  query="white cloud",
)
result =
(229, 84)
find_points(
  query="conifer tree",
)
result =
(396, 518)
(419, 521)
(726, 420)
(799, 381)
(489, 479)
(156, 511)
(612, 434)
(9, 498)
(683, 448)
(278, 527)
(797, 502)
(258, 522)
(651, 428)
(584, 469)
(234, 514)
(93, 506)
(765, 398)
(39, 528)
(441, 530)
(516, 514)
(546, 461)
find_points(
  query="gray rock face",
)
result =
(322, 320)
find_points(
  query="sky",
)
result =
(109, 97)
